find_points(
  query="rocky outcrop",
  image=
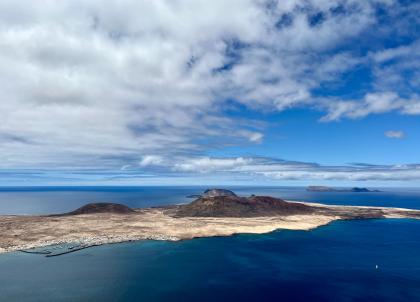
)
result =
(209, 193)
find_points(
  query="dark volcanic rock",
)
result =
(234, 206)
(217, 193)
(102, 207)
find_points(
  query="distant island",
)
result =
(216, 212)
(329, 189)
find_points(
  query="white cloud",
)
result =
(254, 137)
(412, 107)
(188, 170)
(275, 169)
(403, 175)
(93, 84)
(151, 160)
(207, 164)
(395, 134)
(396, 53)
(372, 103)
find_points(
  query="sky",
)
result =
(239, 92)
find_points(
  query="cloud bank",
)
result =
(231, 170)
(86, 85)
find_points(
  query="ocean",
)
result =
(48, 200)
(359, 260)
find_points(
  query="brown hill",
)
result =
(102, 207)
(234, 206)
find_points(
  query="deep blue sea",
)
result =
(332, 263)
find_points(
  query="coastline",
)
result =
(28, 232)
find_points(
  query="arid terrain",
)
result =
(224, 215)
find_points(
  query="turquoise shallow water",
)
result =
(332, 263)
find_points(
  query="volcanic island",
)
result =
(217, 212)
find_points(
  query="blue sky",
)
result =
(210, 92)
(298, 134)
